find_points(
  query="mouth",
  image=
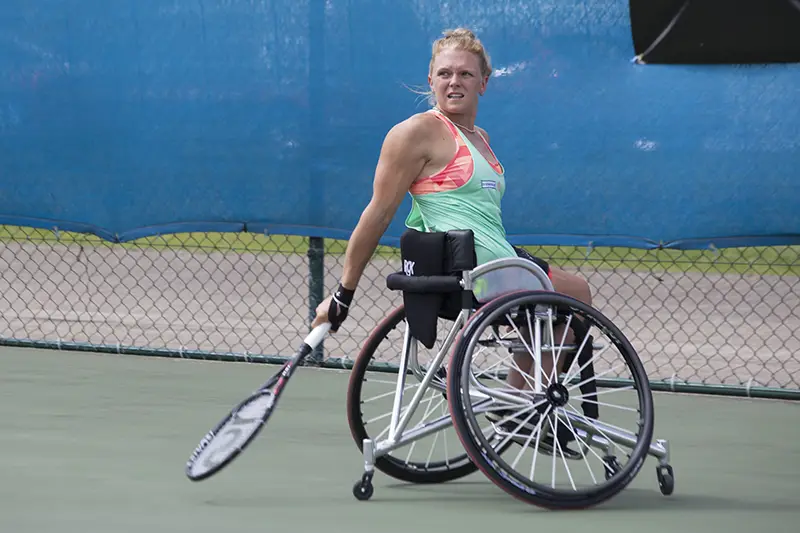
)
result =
(455, 96)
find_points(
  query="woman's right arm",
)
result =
(404, 154)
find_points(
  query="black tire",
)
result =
(434, 472)
(490, 463)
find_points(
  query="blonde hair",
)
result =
(460, 39)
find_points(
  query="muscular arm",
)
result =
(403, 156)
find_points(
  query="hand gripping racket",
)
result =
(233, 433)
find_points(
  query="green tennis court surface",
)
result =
(97, 443)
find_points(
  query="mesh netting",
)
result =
(718, 317)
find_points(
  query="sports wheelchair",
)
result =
(520, 390)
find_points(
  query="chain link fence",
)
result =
(714, 321)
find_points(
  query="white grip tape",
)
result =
(316, 335)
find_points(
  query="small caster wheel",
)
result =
(363, 489)
(612, 466)
(666, 479)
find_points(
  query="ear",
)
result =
(485, 84)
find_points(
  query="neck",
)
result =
(465, 121)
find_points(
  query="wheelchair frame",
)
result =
(591, 431)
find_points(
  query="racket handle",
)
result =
(316, 335)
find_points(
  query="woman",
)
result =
(444, 160)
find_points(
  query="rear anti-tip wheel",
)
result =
(666, 479)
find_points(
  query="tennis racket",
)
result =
(233, 433)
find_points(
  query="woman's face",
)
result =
(456, 81)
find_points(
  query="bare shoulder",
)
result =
(483, 132)
(413, 134)
(405, 153)
(418, 125)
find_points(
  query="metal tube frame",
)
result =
(594, 432)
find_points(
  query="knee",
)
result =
(584, 289)
(572, 285)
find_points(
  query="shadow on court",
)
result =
(632, 499)
(96, 442)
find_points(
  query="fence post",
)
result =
(316, 288)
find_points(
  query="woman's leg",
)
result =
(564, 283)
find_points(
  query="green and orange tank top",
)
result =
(466, 194)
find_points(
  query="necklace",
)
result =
(464, 127)
(457, 124)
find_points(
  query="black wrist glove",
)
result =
(340, 305)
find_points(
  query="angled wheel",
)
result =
(435, 458)
(579, 435)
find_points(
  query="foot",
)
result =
(441, 374)
(507, 421)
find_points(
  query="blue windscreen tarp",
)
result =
(128, 119)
